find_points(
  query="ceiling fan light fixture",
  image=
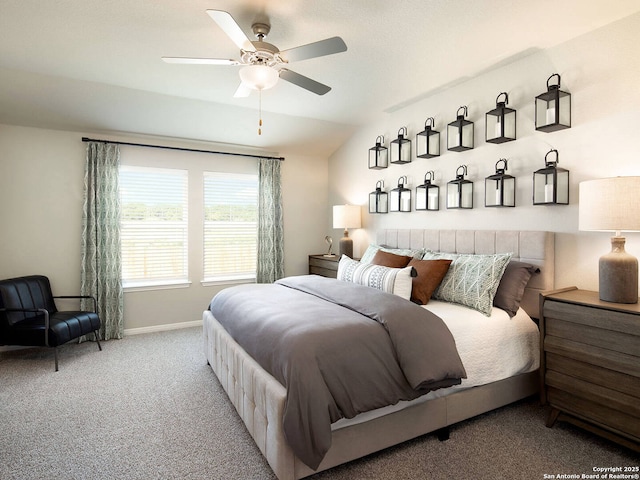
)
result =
(259, 77)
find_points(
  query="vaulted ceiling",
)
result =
(95, 65)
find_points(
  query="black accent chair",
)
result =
(29, 317)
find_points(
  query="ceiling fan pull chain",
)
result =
(260, 114)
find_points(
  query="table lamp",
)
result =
(346, 216)
(611, 204)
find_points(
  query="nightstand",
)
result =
(324, 266)
(590, 363)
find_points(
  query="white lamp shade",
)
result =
(610, 204)
(259, 77)
(346, 216)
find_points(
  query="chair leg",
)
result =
(55, 354)
(97, 334)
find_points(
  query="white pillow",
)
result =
(391, 280)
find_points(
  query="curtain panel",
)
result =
(101, 257)
(270, 256)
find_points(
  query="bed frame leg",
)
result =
(443, 434)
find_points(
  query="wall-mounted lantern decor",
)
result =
(500, 123)
(460, 190)
(553, 108)
(500, 188)
(378, 155)
(400, 198)
(401, 147)
(460, 132)
(428, 194)
(379, 199)
(551, 183)
(428, 141)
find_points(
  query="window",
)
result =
(153, 226)
(230, 226)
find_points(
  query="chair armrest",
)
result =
(34, 310)
(95, 302)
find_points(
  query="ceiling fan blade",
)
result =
(242, 91)
(304, 82)
(328, 46)
(229, 26)
(200, 61)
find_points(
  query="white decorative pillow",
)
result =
(472, 280)
(372, 249)
(391, 280)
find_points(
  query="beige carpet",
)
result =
(149, 407)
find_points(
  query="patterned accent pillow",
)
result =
(390, 280)
(472, 280)
(370, 252)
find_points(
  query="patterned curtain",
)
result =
(270, 262)
(101, 262)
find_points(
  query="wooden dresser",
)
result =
(325, 266)
(590, 363)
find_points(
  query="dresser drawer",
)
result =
(593, 336)
(589, 372)
(619, 422)
(324, 266)
(591, 316)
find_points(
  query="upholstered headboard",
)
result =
(535, 247)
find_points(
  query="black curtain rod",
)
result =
(85, 139)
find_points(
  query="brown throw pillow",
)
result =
(430, 274)
(390, 260)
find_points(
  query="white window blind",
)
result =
(153, 226)
(230, 226)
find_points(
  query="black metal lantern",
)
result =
(378, 155)
(500, 188)
(428, 141)
(551, 183)
(379, 199)
(428, 194)
(553, 108)
(500, 123)
(401, 148)
(400, 198)
(460, 190)
(460, 133)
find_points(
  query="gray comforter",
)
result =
(339, 349)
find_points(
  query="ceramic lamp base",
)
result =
(346, 245)
(618, 272)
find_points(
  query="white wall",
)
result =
(41, 183)
(601, 70)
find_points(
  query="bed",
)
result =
(260, 399)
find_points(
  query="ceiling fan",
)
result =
(263, 62)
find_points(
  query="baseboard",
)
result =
(131, 331)
(9, 348)
(162, 328)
